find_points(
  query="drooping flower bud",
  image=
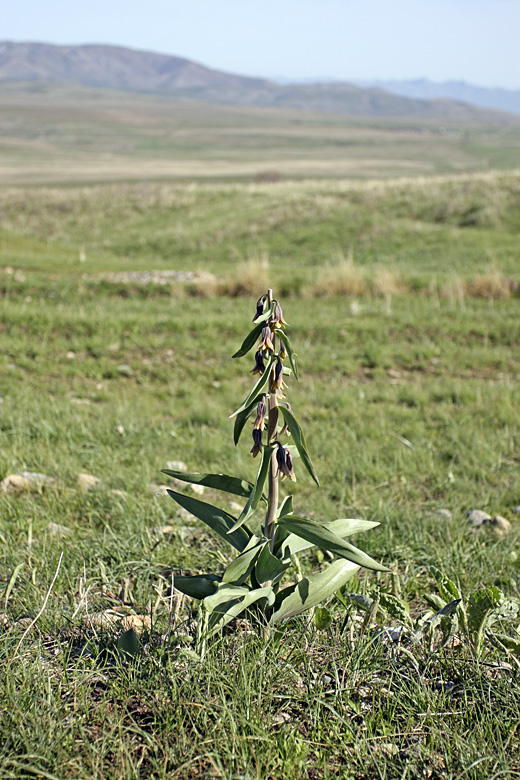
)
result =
(277, 382)
(259, 308)
(261, 411)
(285, 463)
(259, 366)
(282, 351)
(267, 339)
(277, 319)
(257, 442)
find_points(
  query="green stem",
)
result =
(273, 491)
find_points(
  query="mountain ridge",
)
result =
(118, 67)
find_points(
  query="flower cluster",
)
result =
(270, 346)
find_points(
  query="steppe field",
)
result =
(136, 235)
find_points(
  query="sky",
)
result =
(470, 40)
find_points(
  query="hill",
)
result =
(486, 97)
(115, 67)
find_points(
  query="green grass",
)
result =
(409, 406)
(63, 134)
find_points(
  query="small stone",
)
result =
(26, 480)
(165, 529)
(443, 514)
(88, 482)
(57, 530)
(120, 429)
(176, 465)
(138, 622)
(71, 355)
(199, 489)
(516, 509)
(477, 517)
(125, 370)
(500, 525)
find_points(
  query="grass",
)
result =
(409, 397)
(68, 135)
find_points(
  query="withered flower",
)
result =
(259, 366)
(267, 339)
(261, 411)
(285, 463)
(277, 382)
(277, 320)
(257, 442)
(259, 308)
(282, 351)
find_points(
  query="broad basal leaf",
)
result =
(343, 527)
(229, 602)
(197, 586)
(318, 534)
(234, 485)
(268, 567)
(239, 569)
(312, 590)
(217, 519)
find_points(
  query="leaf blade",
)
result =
(312, 590)
(318, 534)
(217, 519)
(299, 440)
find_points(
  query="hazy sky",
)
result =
(474, 40)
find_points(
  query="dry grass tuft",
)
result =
(387, 283)
(248, 278)
(491, 285)
(341, 279)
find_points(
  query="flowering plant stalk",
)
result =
(268, 534)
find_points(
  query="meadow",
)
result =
(402, 303)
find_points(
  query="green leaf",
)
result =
(268, 567)
(299, 440)
(507, 642)
(343, 527)
(313, 589)
(288, 346)
(217, 519)
(322, 618)
(321, 536)
(256, 493)
(243, 417)
(197, 587)
(228, 603)
(447, 587)
(397, 608)
(286, 507)
(239, 569)
(234, 485)
(434, 621)
(251, 337)
(128, 643)
(257, 389)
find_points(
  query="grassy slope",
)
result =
(406, 409)
(60, 134)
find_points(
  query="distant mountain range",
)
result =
(116, 67)
(486, 97)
